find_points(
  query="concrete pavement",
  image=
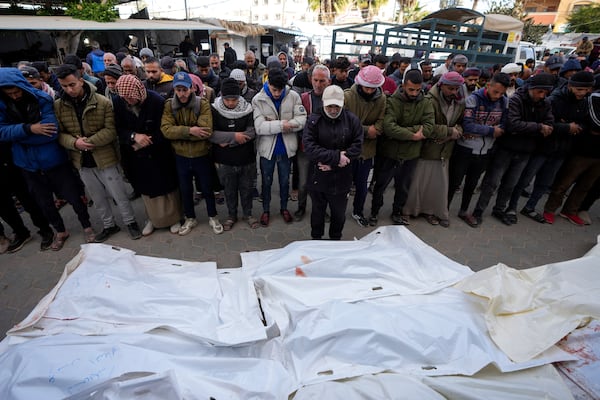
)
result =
(28, 275)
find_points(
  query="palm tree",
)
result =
(326, 10)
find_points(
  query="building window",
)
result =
(551, 9)
(255, 17)
(255, 2)
(277, 17)
(266, 2)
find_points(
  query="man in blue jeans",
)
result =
(278, 115)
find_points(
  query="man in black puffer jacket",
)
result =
(332, 138)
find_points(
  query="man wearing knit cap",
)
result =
(570, 67)
(409, 119)
(471, 76)
(582, 165)
(240, 77)
(233, 151)
(112, 72)
(512, 70)
(145, 53)
(331, 155)
(278, 116)
(529, 120)
(427, 194)
(366, 100)
(570, 119)
(187, 122)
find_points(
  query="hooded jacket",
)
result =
(177, 120)
(403, 118)
(442, 149)
(287, 69)
(324, 138)
(30, 151)
(164, 86)
(369, 112)
(524, 121)
(97, 125)
(267, 122)
(481, 115)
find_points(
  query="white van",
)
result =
(525, 51)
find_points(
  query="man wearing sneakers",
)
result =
(187, 122)
(27, 120)
(409, 119)
(278, 115)
(366, 100)
(582, 168)
(484, 121)
(529, 119)
(87, 131)
(569, 107)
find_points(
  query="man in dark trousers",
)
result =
(332, 138)
(230, 56)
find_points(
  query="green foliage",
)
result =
(93, 11)
(585, 19)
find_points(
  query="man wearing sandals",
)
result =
(27, 120)
(187, 122)
(87, 131)
(233, 151)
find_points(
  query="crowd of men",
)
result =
(174, 131)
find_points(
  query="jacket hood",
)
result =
(165, 78)
(14, 77)
(287, 62)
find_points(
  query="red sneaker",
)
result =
(549, 217)
(573, 218)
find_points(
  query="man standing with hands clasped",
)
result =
(332, 138)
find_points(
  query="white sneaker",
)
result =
(175, 227)
(215, 224)
(187, 226)
(148, 229)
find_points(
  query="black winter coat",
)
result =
(324, 138)
(523, 122)
(152, 168)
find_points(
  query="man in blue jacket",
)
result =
(27, 120)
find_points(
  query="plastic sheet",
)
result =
(538, 305)
(111, 290)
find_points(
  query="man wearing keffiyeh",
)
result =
(146, 154)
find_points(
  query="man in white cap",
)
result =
(332, 138)
(240, 76)
(367, 101)
(512, 70)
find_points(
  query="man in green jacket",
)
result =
(87, 131)
(366, 100)
(187, 122)
(409, 119)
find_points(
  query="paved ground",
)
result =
(26, 276)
